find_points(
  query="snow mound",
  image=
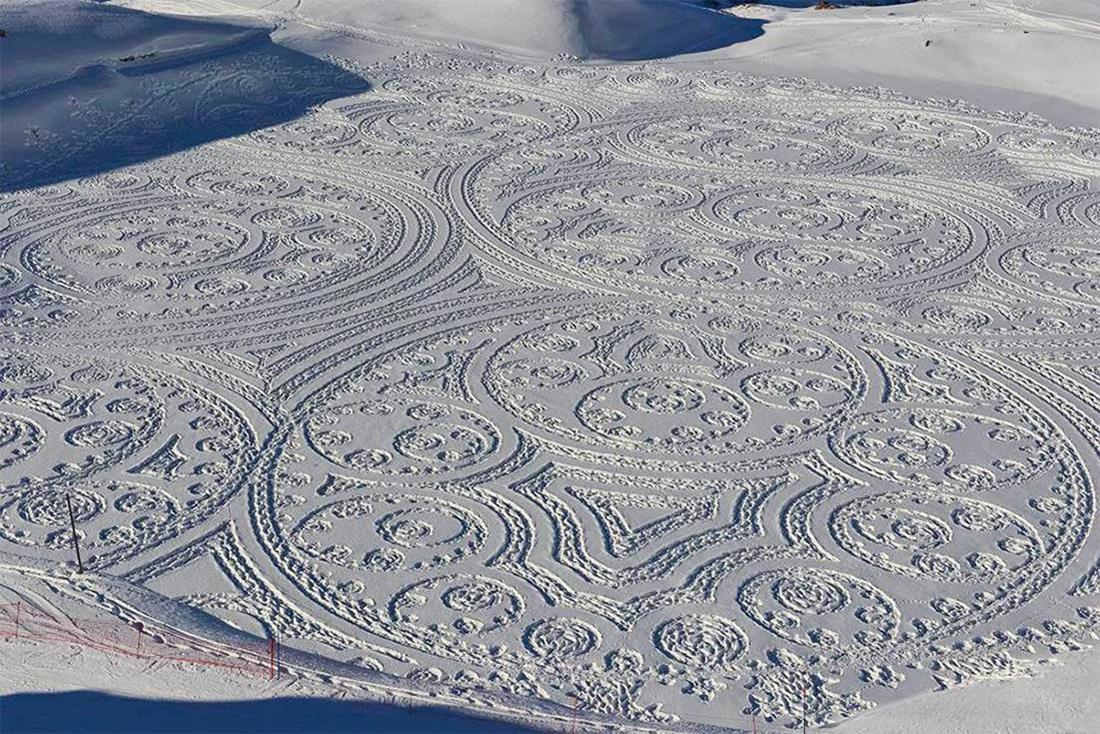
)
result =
(81, 35)
(121, 86)
(592, 29)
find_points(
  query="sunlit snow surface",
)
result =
(677, 393)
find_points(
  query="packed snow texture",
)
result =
(665, 391)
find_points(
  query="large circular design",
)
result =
(312, 134)
(820, 608)
(461, 132)
(403, 437)
(947, 448)
(833, 215)
(937, 537)
(203, 248)
(911, 135)
(106, 437)
(628, 225)
(727, 141)
(561, 638)
(642, 384)
(701, 641)
(175, 238)
(225, 240)
(458, 605)
(1064, 265)
(390, 532)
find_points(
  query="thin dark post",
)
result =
(18, 608)
(804, 708)
(76, 541)
(754, 724)
(137, 648)
(271, 657)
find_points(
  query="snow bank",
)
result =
(604, 29)
(119, 86)
(81, 35)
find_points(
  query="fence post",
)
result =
(139, 627)
(76, 540)
(18, 608)
(271, 657)
(754, 724)
(804, 716)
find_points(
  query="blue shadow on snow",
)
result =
(91, 711)
(134, 108)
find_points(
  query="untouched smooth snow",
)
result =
(486, 370)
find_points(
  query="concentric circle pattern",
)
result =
(670, 393)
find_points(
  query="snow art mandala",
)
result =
(665, 393)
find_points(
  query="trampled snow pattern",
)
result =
(679, 394)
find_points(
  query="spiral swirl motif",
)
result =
(937, 536)
(459, 605)
(810, 594)
(100, 434)
(942, 447)
(18, 372)
(907, 134)
(19, 438)
(406, 531)
(820, 608)
(49, 507)
(427, 437)
(561, 638)
(701, 641)
(738, 143)
(826, 216)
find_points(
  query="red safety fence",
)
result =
(23, 620)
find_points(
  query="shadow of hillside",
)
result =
(135, 108)
(728, 31)
(94, 712)
(620, 32)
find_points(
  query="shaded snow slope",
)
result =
(591, 29)
(91, 87)
(52, 40)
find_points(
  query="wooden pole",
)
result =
(804, 708)
(139, 627)
(76, 541)
(271, 657)
(754, 724)
(18, 608)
